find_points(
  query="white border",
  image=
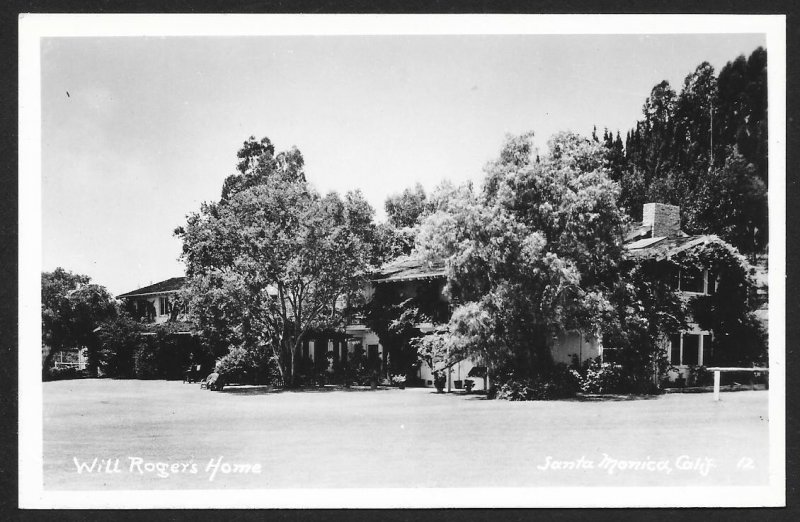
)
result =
(34, 27)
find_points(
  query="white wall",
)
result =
(568, 343)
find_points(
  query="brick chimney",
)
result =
(664, 220)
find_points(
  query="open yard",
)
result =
(165, 434)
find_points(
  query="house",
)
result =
(154, 303)
(424, 282)
(658, 239)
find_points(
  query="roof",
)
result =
(168, 286)
(660, 248)
(409, 269)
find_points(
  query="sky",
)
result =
(138, 131)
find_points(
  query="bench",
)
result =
(719, 369)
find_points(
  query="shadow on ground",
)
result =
(264, 390)
(592, 398)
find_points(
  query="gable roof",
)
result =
(660, 248)
(168, 286)
(409, 268)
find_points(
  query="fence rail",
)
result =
(719, 369)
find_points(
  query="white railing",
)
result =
(718, 370)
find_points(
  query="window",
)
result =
(693, 281)
(708, 353)
(608, 353)
(675, 349)
(690, 349)
(163, 305)
(712, 282)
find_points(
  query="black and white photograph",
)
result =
(402, 261)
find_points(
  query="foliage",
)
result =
(439, 379)
(739, 338)
(394, 318)
(146, 360)
(72, 307)
(597, 377)
(247, 366)
(534, 253)
(556, 383)
(360, 369)
(731, 200)
(438, 350)
(58, 374)
(392, 242)
(646, 309)
(273, 259)
(405, 210)
(705, 149)
(129, 350)
(121, 340)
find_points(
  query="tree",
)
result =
(405, 209)
(533, 253)
(709, 133)
(696, 145)
(72, 308)
(120, 339)
(742, 115)
(273, 260)
(731, 201)
(738, 339)
(646, 308)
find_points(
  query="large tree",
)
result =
(533, 253)
(714, 131)
(72, 308)
(273, 259)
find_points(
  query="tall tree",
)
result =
(532, 253)
(706, 134)
(273, 259)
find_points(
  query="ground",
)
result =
(391, 438)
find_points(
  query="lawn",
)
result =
(392, 438)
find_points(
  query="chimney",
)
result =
(662, 219)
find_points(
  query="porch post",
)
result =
(716, 385)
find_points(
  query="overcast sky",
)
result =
(151, 126)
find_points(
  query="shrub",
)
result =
(699, 376)
(120, 341)
(57, 374)
(598, 377)
(558, 383)
(146, 360)
(243, 365)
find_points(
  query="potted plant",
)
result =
(468, 385)
(439, 380)
(399, 381)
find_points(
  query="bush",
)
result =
(598, 377)
(613, 378)
(559, 383)
(243, 365)
(146, 359)
(58, 374)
